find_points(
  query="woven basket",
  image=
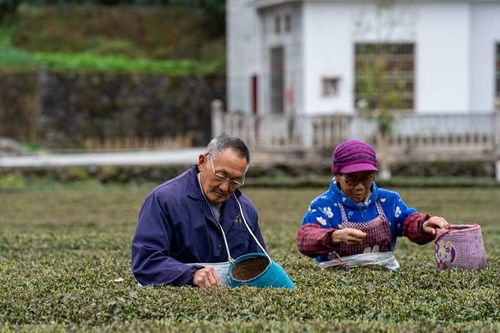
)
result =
(460, 246)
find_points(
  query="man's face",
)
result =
(220, 176)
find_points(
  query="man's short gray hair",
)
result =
(220, 143)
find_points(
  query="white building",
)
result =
(305, 57)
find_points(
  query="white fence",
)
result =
(427, 137)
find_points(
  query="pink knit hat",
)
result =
(354, 156)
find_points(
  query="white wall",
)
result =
(442, 53)
(440, 32)
(485, 23)
(330, 32)
(292, 45)
(327, 52)
(243, 52)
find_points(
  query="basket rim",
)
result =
(232, 265)
(456, 228)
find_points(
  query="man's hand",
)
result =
(434, 222)
(206, 277)
(348, 236)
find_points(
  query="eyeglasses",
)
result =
(353, 181)
(232, 182)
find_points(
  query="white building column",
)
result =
(496, 143)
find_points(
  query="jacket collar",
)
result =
(346, 201)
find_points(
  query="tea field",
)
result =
(65, 252)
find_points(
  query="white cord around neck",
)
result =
(248, 227)
(230, 259)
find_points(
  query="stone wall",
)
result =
(62, 110)
(18, 106)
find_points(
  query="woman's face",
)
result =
(356, 185)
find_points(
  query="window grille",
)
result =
(385, 76)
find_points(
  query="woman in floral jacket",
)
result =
(355, 216)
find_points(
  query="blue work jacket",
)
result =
(176, 226)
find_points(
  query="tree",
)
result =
(382, 92)
(384, 70)
(8, 9)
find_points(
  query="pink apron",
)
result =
(378, 234)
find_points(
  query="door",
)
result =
(277, 80)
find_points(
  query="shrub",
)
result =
(110, 63)
(8, 9)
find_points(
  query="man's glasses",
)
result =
(353, 181)
(233, 182)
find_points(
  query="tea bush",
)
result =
(62, 250)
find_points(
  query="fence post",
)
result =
(307, 139)
(217, 117)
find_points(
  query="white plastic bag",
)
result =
(221, 268)
(385, 259)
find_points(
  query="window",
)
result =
(288, 23)
(384, 76)
(497, 78)
(277, 25)
(277, 79)
(330, 86)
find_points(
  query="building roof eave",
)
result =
(262, 4)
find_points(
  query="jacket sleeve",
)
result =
(151, 261)
(313, 240)
(413, 228)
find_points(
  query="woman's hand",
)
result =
(348, 236)
(434, 222)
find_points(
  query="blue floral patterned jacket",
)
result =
(324, 210)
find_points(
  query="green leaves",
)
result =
(89, 62)
(17, 58)
(63, 250)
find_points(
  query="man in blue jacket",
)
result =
(196, 218)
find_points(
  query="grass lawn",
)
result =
(61, 250)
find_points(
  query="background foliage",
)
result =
(462, 174)
(170, 30)
(72, 71)
(62, 248)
